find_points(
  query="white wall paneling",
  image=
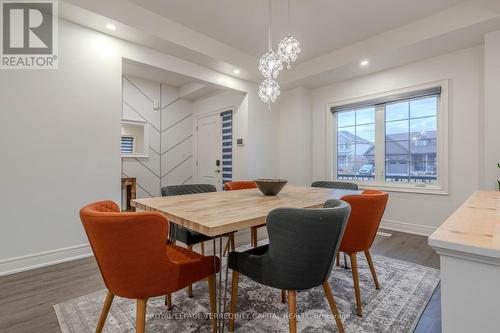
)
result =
(169, 122)
(176, 139)
(139, 100)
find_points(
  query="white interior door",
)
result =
(209, 151)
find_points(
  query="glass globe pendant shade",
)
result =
(288, 50)
(270, 64)
(269, 90)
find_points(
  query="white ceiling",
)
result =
(224, 35)
(320, 25)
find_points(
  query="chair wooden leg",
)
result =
(338, 259)
(168, 302)
(233, 245)
(234, 300)
(104, 312)
(333, 306)
(372, 268)
(355, 278)
(292, 311)
(140, 316)
(283, 296)
(190, 287)
(213, 310)
(253, 236)
(202, 245)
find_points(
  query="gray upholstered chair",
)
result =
(185, 235)
(336, 185)
(299, 256)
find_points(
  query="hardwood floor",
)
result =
(26, 299)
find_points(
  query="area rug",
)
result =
(405, 291)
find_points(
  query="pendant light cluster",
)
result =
(271, 63)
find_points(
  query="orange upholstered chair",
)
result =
(366, 213)
(245, 185)
(136, 262)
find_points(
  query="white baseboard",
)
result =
(408, 228)
(42, 259)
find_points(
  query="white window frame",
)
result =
(441, 185)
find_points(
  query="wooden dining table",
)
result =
(218, 213)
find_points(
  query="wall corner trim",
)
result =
(42, 259)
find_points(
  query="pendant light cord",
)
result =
(270, 25)
(288, 10)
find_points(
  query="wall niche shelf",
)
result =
(134, 139)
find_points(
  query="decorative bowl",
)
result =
(270, 186)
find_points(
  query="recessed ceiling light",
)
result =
(364, 63)
(111, 26)
(236, 71)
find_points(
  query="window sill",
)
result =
(134, 155)
(434, 190)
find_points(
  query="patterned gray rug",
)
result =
(405, 291)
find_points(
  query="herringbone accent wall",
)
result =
(170, 127)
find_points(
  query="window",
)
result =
(355, 139)
(410, 140)
(227, 146)
(395, 140)
(134, 139)
(127, 144)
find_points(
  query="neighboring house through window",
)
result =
(395, 139)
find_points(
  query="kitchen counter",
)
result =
(468, 243)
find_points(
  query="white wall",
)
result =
(59, 148)
(421, 212)
(491, 110)
(47, 175)
(295, 136)
(262, 143)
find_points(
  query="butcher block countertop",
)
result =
(474, 228)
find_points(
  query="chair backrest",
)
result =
(303, 243)
(239, 185)
(187, 189)
(367, 210)
(336, 185)
(129, 249)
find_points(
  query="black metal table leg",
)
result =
(345, 261)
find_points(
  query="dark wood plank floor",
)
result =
(26, 299)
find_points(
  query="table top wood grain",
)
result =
(473, 228)
(217, 213)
